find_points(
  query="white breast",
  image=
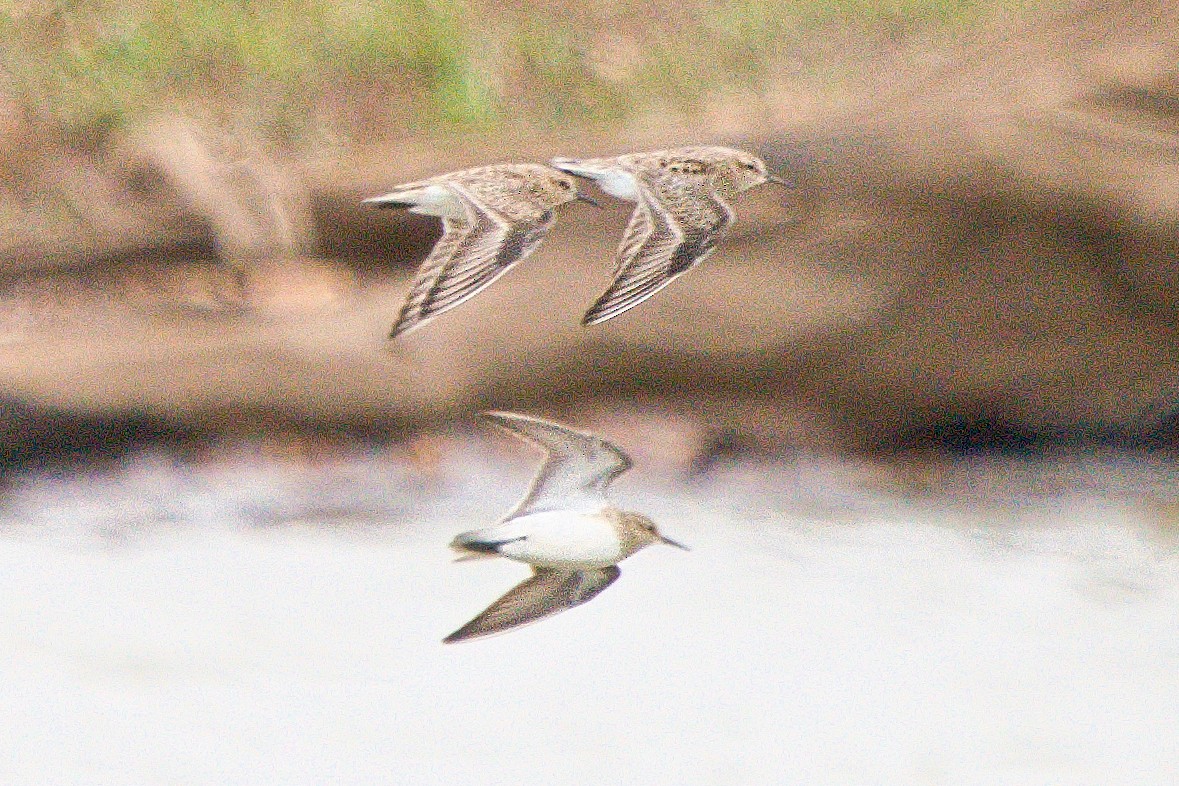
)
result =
(563, 539)
(619, 183)
(435, 200)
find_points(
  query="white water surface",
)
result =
(279, 623)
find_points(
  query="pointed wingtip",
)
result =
(610, 305)
(406, 324)
(595, 316)
(472, 630)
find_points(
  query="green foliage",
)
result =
(389, 67)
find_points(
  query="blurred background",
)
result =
(918, 414)
(981, 248)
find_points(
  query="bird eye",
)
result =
(748, 165)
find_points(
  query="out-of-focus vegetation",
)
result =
(980, 250)
(310, 71)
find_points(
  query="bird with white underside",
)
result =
(565, 528)
(492, 217)
(682, 211)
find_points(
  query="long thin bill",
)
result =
(588, 199)
(780, 181)
(670, 542)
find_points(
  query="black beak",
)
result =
(670, 542)
(779, 180)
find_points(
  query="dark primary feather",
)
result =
(691, 251)
(522, 239)
(545, 593)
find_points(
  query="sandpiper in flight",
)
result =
(564, 527)
(492, 217)
(681, 212)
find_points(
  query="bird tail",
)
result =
(470, 545)
(588, 167)
(386, 201)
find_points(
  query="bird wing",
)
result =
(675, 225)
(471, 254)
(576, 471)
(543, 594)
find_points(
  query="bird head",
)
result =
(557, 188)
(639, 531)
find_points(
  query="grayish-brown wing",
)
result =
(576, 471)
(641, 229)
(472, 253)
(675, 225)
(545, 593)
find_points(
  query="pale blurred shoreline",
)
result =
(240, 621)
(378, 479)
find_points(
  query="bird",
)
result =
(492, 217)
(682, 210)
(564, 527)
